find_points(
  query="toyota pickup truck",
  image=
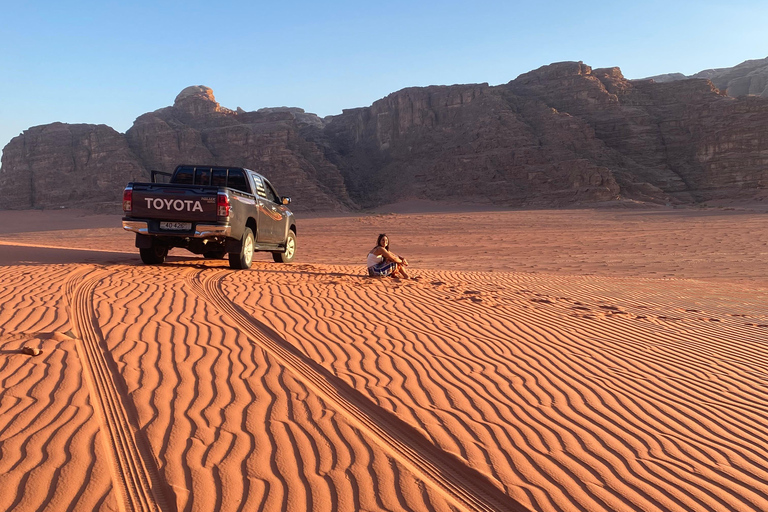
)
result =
(209, 210)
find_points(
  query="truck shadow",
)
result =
(27, 255)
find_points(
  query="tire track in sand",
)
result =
(134, 471)
(461, 485)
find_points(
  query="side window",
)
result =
(271, 194)
(258, 185)
(237, 181)
(183, 176)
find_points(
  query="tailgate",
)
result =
(174, 202)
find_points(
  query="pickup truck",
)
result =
(210, 210)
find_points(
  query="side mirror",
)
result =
(285, 200)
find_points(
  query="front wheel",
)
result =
(244, 258)
(290, 249)
(154, 255)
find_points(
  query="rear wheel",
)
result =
(154, 255)
(290, 249)
(244, 258)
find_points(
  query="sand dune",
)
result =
(580, 385)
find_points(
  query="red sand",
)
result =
(543, 360)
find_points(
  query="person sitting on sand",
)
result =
(382, 262)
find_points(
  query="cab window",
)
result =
(219, 178)
(183, 176)
(203, 176)
(237, 181)
(271, 195)
(258, 185)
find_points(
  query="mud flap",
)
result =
(143, 241)
(233, 246)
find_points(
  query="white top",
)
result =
(374, 259)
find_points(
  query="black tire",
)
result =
(154, 255)
(214, 255)
(290, 249)
(244, 258)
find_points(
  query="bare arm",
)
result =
(390, 256)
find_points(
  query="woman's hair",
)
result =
(378, 241)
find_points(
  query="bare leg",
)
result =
(399, 272)
(396, 272)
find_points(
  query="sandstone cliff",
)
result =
(66, 165)
(559, 135)
(748, 78)
(470, 143)
(197, 130)
(83, 165)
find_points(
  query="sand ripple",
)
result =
(309, 387)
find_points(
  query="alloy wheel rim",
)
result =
(290, 246)
(248, 251)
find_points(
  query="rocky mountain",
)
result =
(196, 129)
(748, 78)
(88, 165)
(66, 164)
(559, 135)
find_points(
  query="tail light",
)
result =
(128, 199)
(222, 204)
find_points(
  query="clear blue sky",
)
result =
(107, 62)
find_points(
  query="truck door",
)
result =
(277, 213)
(264, 222)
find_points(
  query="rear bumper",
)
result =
(136, 226)
(201, 230)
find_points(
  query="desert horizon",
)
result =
(583, 359)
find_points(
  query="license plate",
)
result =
(176, 226)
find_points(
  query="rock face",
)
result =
(197, 130)
(66, 165)
(469, 143)
(559, 135)
(748, 78)
(82, 165)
